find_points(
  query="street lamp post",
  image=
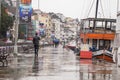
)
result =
(16, 26)
(0, 8)
(0, 13)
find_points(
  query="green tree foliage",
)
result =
(6, 22)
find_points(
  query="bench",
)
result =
(3, 56)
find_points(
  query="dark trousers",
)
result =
(36, 48)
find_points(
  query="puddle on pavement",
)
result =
(58, 65)
(93, 70)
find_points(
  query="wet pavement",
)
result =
(57, 64)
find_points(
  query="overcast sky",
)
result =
(78, 8)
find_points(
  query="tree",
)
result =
(6, 21)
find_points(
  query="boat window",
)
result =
(103, 24)
(107, 44)
(91, 24)
(108, 25)
(101, 42)
(94, 43)
(87, 41)
(99, 24)
(113, 26)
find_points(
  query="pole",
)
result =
(16, 27)
(96, 8)
(97, 2)
(0, 9)
(117, 6)
(38, 4)
(0, 13)
(117, 37)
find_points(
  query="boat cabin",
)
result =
(99, 33)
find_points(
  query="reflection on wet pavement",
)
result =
(57, 64)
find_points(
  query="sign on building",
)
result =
(25, 12)
(42, 32)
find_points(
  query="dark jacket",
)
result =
(36, 40)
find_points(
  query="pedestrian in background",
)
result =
(36, 39)
(56, 42)
(63, 41)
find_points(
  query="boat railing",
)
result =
(98, 31)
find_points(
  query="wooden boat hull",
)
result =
(104, 57)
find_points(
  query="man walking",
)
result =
(36, 39)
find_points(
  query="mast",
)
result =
(117, 6)
(38, 4)
(97, 2)
(96, 8)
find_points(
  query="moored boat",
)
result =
(103, 55)
(71, 45)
